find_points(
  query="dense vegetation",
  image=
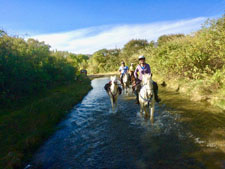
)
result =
(109, 60)
(23, 130)
(104, 61)
(27, 67)
(37, 88)
(198, 58)
(195, 56)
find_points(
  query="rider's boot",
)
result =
(137, 98)
(120, 90)
(155, 89)
(121, 80)
(157, 99)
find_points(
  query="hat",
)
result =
(141, 57)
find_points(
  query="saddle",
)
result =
(107, 87)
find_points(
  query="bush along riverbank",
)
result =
(24, 129)
(196, 90)
(192, 64)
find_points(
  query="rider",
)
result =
(123, 69)
(143, 68)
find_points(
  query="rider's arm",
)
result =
(136, 73)
(120, 69)
(148, 69)
(127, 69)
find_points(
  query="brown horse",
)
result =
(132, 80)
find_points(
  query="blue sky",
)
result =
(73, 20)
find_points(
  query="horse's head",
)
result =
(148, 83)
(125, 77)
(146, 79)
(114, 86)
(113, 80)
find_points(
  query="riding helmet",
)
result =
(141, 57)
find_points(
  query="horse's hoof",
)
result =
(152, 120)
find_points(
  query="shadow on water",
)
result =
(94, 137)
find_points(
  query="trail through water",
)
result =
(92, 136)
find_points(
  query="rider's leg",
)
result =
(136, 92)
(121, 79)
(129, 77)
(107, 86)
(155, 88)
(120, 90)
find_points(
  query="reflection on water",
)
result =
(94, 137)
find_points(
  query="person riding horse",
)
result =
(143, 68)
(123, 69)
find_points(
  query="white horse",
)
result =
(126, 82)
(114, 92)
(147, 97)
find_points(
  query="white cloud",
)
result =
(91, 39)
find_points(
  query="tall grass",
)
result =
(24, 129)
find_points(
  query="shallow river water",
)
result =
(92, 136)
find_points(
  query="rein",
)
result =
(113, 95)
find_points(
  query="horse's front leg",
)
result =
(152, 113)
(141, 108)
(124, 89)
(146, 110)
(112, 103)
(127, 92)
(115, 101)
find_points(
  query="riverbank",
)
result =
(92, 76)
(23, 130)
(201, 113)
(205, 124)
(196, 90)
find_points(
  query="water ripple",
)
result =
(93, 137)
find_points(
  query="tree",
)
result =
(165, 38)
(132, 47)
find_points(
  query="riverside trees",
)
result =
(26, 67)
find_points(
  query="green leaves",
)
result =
(26, 67)
(104, 61)
(196, 57)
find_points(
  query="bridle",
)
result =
(150, 99)
(113, 95)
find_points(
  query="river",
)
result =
(92, 136)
